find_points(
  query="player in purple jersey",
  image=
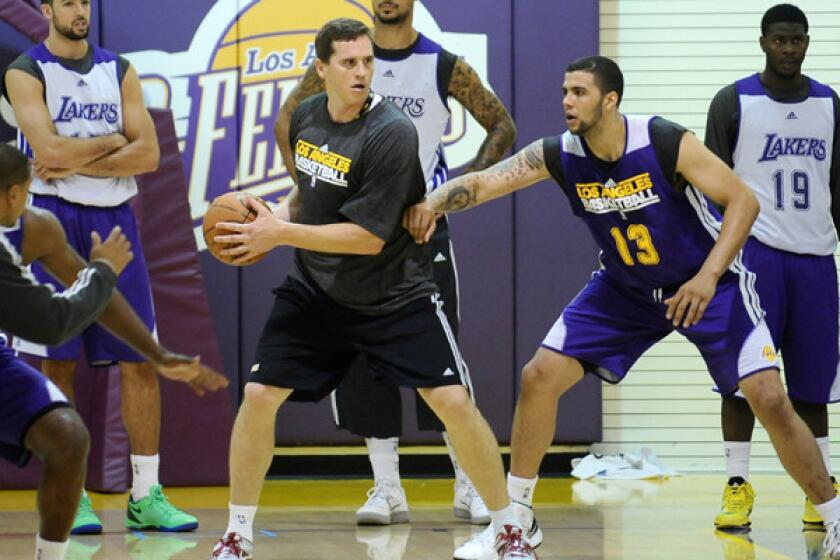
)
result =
(82, 119)
(35, 416)
(780, 132)
(639, 184)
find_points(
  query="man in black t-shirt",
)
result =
(360, 285)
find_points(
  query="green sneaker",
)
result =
(155, 513)
(86, 521)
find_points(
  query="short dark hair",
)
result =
(607, 74)
(50, 2)
(782, 13)
(14, 167)
(341, 29)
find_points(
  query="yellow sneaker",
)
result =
(810, 515)
(738, 499)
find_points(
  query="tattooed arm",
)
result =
(485, 107)
(521, 170)
(308, 86)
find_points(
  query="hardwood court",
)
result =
(313, 520)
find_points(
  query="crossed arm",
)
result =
(133, 152)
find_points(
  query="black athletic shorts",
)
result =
(309, 342)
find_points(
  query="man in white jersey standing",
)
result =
(780, 132)
(82, 119)
(419, 76)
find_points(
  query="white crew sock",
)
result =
(737, 455)
(460, 476)
(829, 511)
(384, 458)
(826, 452)
(521, 490)
(241, 520)
(49, 550)
(503, 517)
(144, 469)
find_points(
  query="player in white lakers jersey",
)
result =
(82, 119)
(419, 76)
(780, 132)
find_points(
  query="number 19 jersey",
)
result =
(783, 152)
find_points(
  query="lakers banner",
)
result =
(226, 89)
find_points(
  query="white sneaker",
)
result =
(483, 545)
(386, 504)
(512, 545)
(469, 505)
(831, 544)
(233, 547)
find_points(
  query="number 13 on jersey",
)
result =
(638, 233)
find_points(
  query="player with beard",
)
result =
(780, 132)
(82, 119)
(640, 184)
(419, 76)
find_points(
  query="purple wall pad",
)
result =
(554, 253)
(26, 18)
(184, 322)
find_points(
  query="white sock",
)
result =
(829, 511)
(521, 490)
(826, 453)
(503, 517)
(460, 476)
(737, 455)
(49, 550)
(384, 458)
(241, 520)
(145, 475)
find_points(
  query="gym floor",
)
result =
(313, 520)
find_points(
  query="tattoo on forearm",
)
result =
(458, 194)
(461, 193)
(488, 110)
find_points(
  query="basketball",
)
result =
(229, 207)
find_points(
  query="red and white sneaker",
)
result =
(511, 546)
(233, 547)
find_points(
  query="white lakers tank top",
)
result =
(82, 105)
(417, 80)
(783, 152)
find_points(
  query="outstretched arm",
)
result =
(488, 110)
(46, 242)
(521, 170)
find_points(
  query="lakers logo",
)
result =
(768, 353)
(244, 59)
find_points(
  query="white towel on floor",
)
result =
(624, 466)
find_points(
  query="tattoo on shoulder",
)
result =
(309, 85)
